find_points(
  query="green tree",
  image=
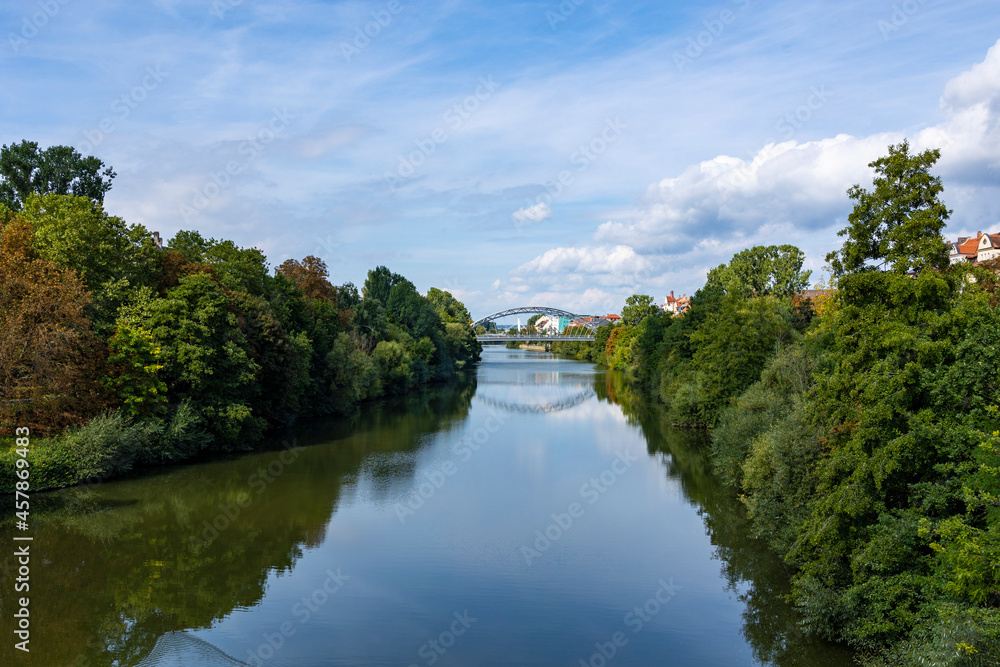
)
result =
(395, 367)
(896, 226)
(134, 364)
(113, 258)
(448, 307)
(284, 359)
(77, 233)
(59, 170)
(406, 307)
(206, 358)
(379, 283)
(763, 271)
(637, 308)
(734, 344)
(237, 268)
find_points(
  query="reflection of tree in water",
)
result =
(770, 622)
(119, 566)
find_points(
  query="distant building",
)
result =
(549, 325)
(981, 248)
(811, 295)
(676, 305)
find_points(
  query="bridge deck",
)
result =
(501, 338)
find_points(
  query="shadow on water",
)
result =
(754, 573)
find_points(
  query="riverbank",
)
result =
(110, 447)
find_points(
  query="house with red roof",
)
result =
(676, 305)
(980, 248)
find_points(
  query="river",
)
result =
(536, 512)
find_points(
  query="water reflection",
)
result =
(757, 576)
(206, 548)
(122, 564)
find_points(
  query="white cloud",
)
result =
(788, 192)
(538, 213)
(602, 260)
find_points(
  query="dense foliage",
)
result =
(124, 354)
(862, 431)
(60, 170)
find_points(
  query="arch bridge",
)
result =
(591, 325)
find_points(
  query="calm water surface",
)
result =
(537, 513)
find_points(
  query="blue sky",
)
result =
(514, 153)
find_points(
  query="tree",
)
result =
(763, 270)
(115, 260)
(637, 308)
(49, 360)
(77, 233)
(237, 268)
(206, 357)
(60, 170)
(734, 344)
(379, 283)
(134, 364)
(898, 224)
(311, 276)
(449, 308)
(408, 308)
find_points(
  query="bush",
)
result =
(959, 637)
(109, 445)
(782, 385)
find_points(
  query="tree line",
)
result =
(860, 429)
(120, 353)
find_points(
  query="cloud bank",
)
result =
(789, 192)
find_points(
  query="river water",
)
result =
(537, 512)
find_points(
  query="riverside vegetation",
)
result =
(861, 428)
(118, 354)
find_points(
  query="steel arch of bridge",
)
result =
(534, 310)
